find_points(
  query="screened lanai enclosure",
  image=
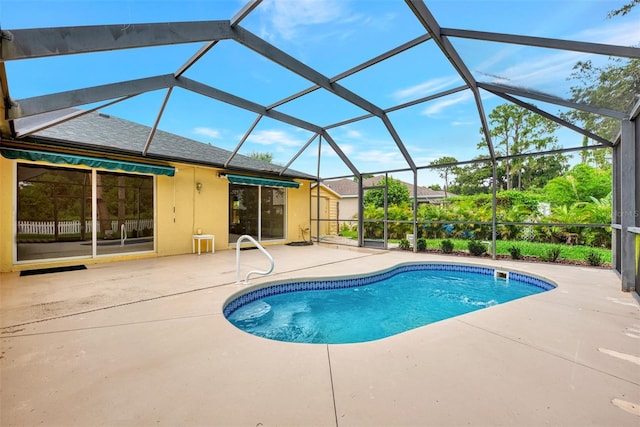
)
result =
(349, 93)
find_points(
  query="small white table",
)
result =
(206, 238)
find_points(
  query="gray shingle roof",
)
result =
(348, 187)
(423, 192)
(101, 132)
(344, 187)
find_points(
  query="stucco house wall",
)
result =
(7, 212)
(180, 209)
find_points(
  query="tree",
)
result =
(581, 184)
(265, 157)
(599, 158)
(474, 178)
(537, 171)
(516, 130)
(612, 86)
(364, 176)
(624, 9)
(445, 166)
(397, 194)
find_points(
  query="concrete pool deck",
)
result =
(144, 343)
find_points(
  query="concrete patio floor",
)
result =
(143, 343)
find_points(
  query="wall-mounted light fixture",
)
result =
(198, 186)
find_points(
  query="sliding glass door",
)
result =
(244, 205)
(257, 211)
(272, 208)
(55, 219)
(125, 213)
(54, 213)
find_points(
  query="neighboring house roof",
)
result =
(347, 187)
(344, 187)
(423, 192)
(104, 133)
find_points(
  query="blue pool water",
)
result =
(376, 306)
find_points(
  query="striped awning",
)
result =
(93, 162)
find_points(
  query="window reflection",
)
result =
(125, 213)
(54, 213)
(256, 211)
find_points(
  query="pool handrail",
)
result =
(263, 250)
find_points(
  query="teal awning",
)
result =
(94, 162)
(252, 180)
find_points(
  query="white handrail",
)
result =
(123, 234)
(247, 237)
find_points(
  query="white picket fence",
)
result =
(73, 227)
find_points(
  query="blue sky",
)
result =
(332, 36)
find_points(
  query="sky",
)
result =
(331, 36)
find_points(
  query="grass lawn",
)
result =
(576, 252)
(540, 250)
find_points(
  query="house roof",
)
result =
(423, 192)
(344, 187)
(109, 134)
(347, 187)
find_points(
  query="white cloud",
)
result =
(464, 123)
(436, 107)
(211, 133)
(274, 137)
(385, 157)
(288, 17)
(616, 33)
(426, 88)
(503, 54)
(347, 133)
(347, 149)
(327, 151)
(552, 67)
(353, 134)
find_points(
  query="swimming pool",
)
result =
(375, 306)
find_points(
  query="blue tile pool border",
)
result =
(351, 282)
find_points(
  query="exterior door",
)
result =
(375, 220)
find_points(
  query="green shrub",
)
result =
(345, 227)
(477, 248)
(516, 252)
(422, 244)
(404, 244)
(594, 258)
(446, 246)
(551, 254)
